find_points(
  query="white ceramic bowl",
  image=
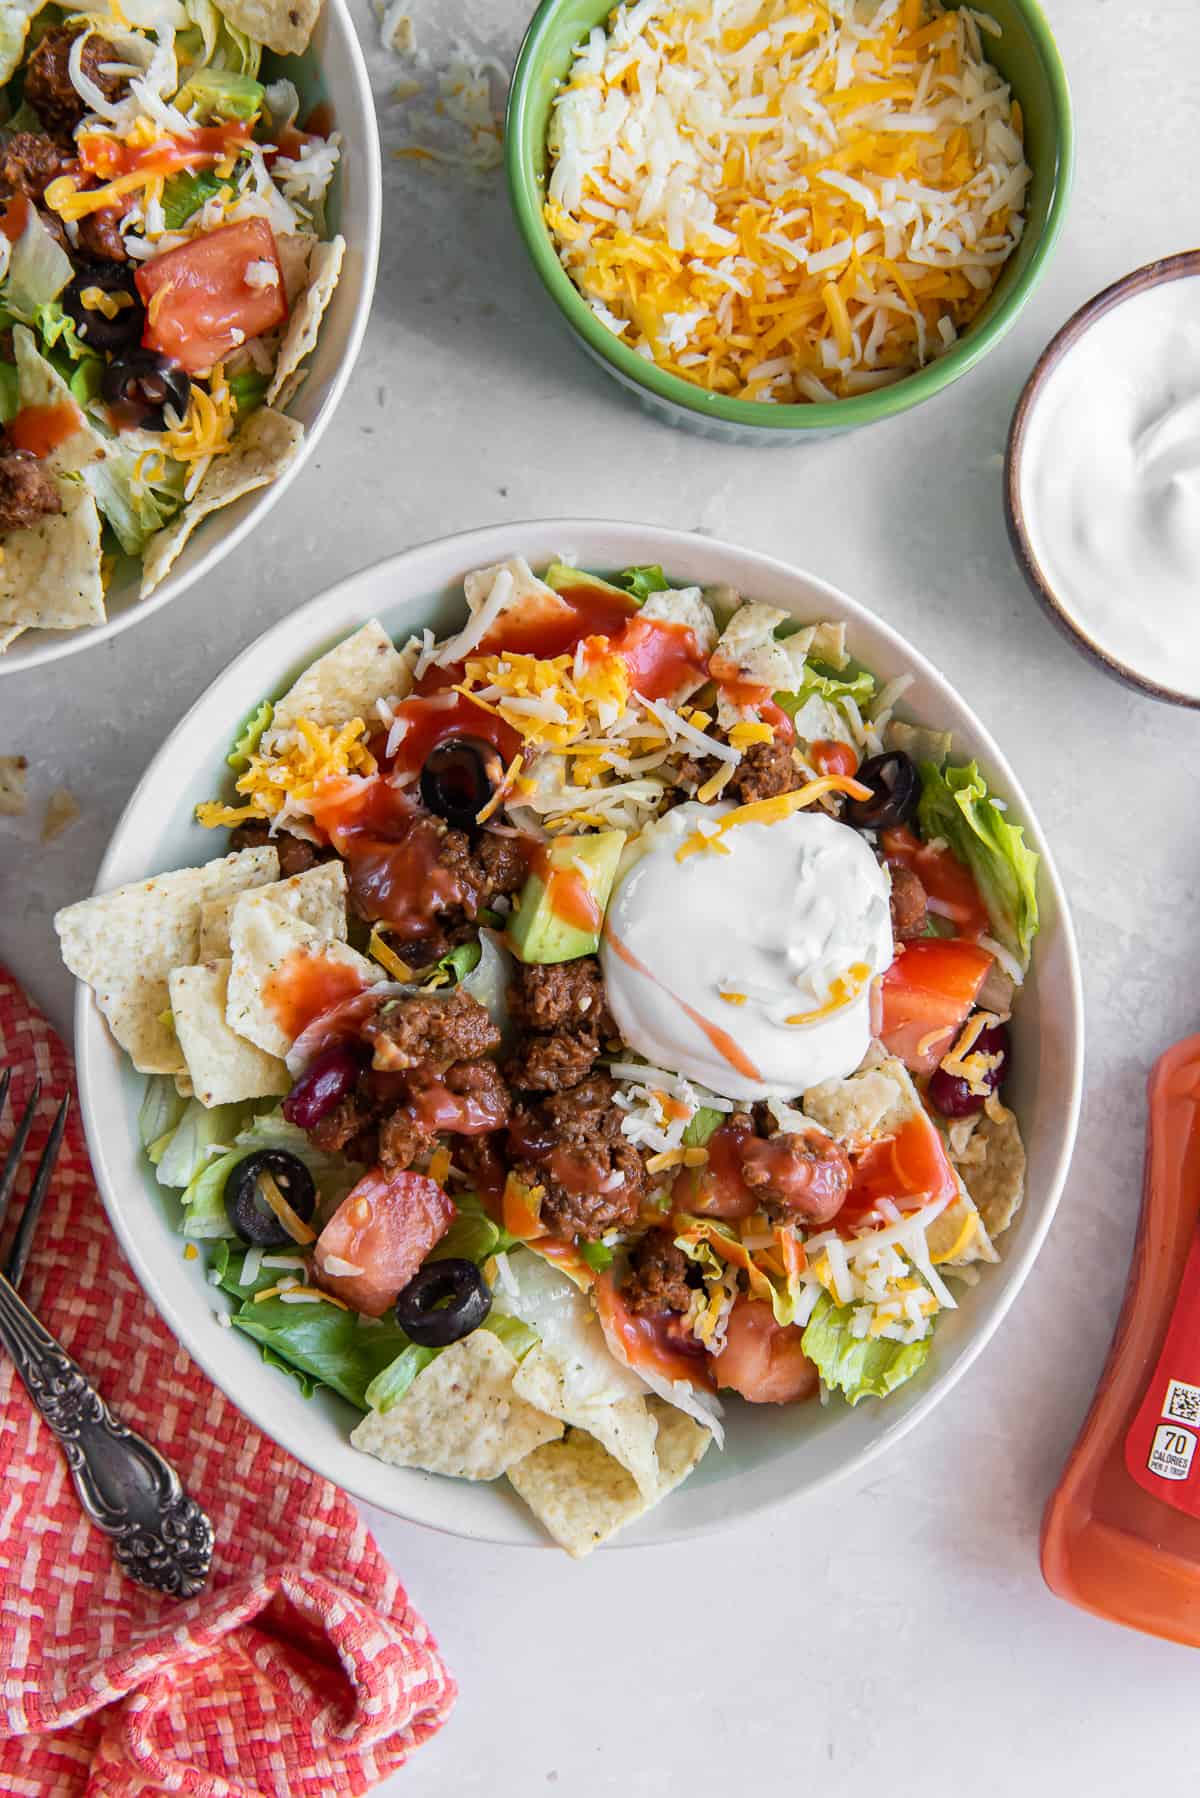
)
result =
(772, 1455)
(333, 70)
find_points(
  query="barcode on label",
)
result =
(1182, 1402)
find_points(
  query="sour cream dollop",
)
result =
(748, 970)
(1110, 483)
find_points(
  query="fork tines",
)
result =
(23, 1240)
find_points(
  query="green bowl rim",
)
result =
(754, 414)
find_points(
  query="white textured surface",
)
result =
(896, 1633)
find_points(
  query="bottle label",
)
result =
(1162, 1448)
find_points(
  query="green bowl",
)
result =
(1028, 59)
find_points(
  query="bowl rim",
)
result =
(326, 614)
(68, 643)
(793, 416)
(1181, 266)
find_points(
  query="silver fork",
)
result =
(161, 1537)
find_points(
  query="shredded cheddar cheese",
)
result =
(769, 811)
(784, 202)
(207, 428)
(289, 773)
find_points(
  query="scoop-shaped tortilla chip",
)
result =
(345, 683)
(316, 897)
(284, 26)
(222, 1066)
(625, 1427)
(300, 338)
(40, 384)
(872, 1103)
(264, 447)
(582, 1496)
(461, 1416)
(996, 1181)
(124, 944)
(50, 575)
(275, 955)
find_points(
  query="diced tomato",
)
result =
(763, 1360)
(200, 304)
(660, 1344)
(926, 994)
(829, 757)
(944, 878)
(910, 1165)
(386, 1225)
(716, 1189)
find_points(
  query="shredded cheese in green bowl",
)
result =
(772, 219)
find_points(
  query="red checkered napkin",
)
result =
(301, 1670)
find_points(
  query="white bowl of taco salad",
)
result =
(189, 228)
(628, 1049)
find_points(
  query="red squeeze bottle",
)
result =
(1121, 1534)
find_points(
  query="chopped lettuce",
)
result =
(185, 193)
(701, 1126)
(597, 1255)
(335, 1347)
(205, 1216)
(201, 1133)
(473, 1236)
(389, 1387)
(954, 805)
(461, 961)
(250, 736)
(10, 403)
(86, 381)
(38, 270)
(858, 1366)
(134, 505)
(162, 1110)
(58, 327)
(820, 682)
(644, 581)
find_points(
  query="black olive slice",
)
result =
(246, 1205)
(443, 1302)
(895, 789)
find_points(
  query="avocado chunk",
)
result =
(221, 94)
(565, 579)
(549, 922)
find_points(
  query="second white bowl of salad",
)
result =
(189, 229)
(581, 1033)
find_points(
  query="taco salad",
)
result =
(595, 1021)
(165, 262)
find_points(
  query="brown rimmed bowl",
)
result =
(1153, 274)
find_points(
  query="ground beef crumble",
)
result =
(296, 855)
(657, 1277)
(560, 1013)
(765, 771)
(28, 492)
(571, 1144)
(430, 1031)
(29, 162)
(48, 85)
(909, 904)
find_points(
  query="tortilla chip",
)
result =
(262, 939)
(997, 1181)
(284, 26)
(623, 1427)
(461, 1416)
(184, 1087)
(295, 248)
(959, 1236)
(316, 897)
(324, 267)
(13, 801)
(124, 944)
(8, 635)
(50, 575)
(40, 384)
(266, 445)
(14, 29)
(345, 683)
(868, 1104)
(222, 1066)
(582, 1496)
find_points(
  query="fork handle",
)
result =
(161, 1536)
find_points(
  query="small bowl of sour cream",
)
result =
(1102, 479)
